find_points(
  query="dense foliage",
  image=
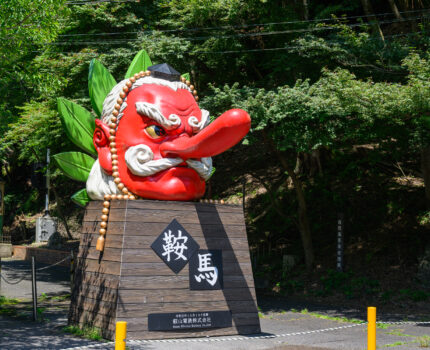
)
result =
(318, 79)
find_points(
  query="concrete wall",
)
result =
(47, 256)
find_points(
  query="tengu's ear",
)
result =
(101, 143)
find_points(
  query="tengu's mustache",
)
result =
(203, 167)
(140, 161)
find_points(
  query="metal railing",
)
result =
(34, 279)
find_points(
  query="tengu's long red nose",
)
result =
(222, 134)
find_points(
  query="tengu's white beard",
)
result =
(139, 160)
(99, 183)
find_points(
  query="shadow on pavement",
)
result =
(16, 269)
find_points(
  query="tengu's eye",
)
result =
(155, 131)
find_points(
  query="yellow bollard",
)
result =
(120, 335)
(371, 328)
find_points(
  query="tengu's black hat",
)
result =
(164, 71)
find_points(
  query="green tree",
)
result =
(271, 47)
(25, 24)
(419, 92)
(336, 112)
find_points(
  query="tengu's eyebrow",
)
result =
(199, 125)
(152, 111)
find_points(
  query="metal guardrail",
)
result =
(10, 282)
(34, 280)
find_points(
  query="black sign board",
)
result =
(189, 320)
(175, 246)
(206, 270)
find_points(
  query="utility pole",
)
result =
(45, 225)
(48, 160)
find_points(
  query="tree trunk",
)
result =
(316, 161)
(304, 227)
(408, 7)
(395, 10)
(60, 213)
(425, 167)
(305, 9)
(368, 11)
(299, 164)
(308, 163)
(273, 199)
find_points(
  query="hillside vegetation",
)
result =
(339, 95)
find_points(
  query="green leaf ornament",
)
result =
(140, 63)
(186, 76)
(78, 123)
(100, 83)
(212, 171)
(75, 165)
(81, 198)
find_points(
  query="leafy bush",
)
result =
(414, 295)
(349, 285)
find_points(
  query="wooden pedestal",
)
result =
(128, 280)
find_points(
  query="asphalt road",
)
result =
(53, 280)
(278, 318)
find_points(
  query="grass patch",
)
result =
(8, 312)
(41, 314)
(5, 304)
(4, 301)
(45, 297)
(382, 325)
(399, 333)
(338, 319)
(86, 332)
(61, 297)
(330, 318)
(397, 343)
(423, 341)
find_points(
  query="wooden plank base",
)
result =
(128, 280)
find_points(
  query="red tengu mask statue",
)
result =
(153, 141)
